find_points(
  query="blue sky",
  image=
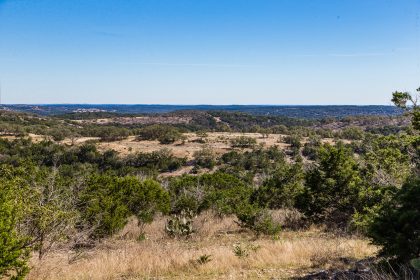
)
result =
(208, 51)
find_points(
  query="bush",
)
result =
(295, 142)
(256, 219)
(108, 201)
(352, 133)
(13, 252)
(165, 134)
(170, 137)
(310, 149)
(397, 226)
(332, 187)
(205, 158)
(243, 142)
(218, 191)
(227, 201)
(282, 188)
(161, 160)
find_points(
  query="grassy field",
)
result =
(157, 256)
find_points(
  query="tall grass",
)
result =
(125, 256)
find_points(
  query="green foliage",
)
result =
(387, 160)
(244, 250)
(50, 214)
(110, 133)
(256, 219)
(295, 142)
(250, 163)
(332, 187)
(371, 199)
(48, 206)
(243, 142)
(397, 226)
(408, 102)
(282, 189)
(162, 160)
(144, 199)
(108, 201)
(102, 207)
(205, 158)
(198, 193)
(14, 252)
(352, 133)
(165, 134)
(227, 201)
(310, 149)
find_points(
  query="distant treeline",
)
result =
(307, 112)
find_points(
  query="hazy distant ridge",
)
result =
(295, 111)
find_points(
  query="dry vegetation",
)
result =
(125, 256)
(219, 142)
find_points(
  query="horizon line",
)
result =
(191, 105)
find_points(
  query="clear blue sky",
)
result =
(208, 51)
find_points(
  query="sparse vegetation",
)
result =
(203, 182)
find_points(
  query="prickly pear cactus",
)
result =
(180, 225)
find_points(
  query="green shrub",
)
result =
(331, 192)
(162, 160)
(199, 193)
(14, 253)
(227, 201)
(310, 149)
(352, 133)
(256, 219)
(205, 158)
(244, 250)
(108, 201)
(165, 134)
(282, 189)
(170, 137)
(243, 142)
(294, 140)
(397, 226)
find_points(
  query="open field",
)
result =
(288, 255)
(219, 142)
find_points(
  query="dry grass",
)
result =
(219, 142)
(159, 257)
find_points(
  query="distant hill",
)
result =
(306, 112)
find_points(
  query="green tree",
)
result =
(108, 201)
(408, 102)
(332, 187)
(14, 252)
(397, 226)
(205, 158)
(243, 142)
(282, 189)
